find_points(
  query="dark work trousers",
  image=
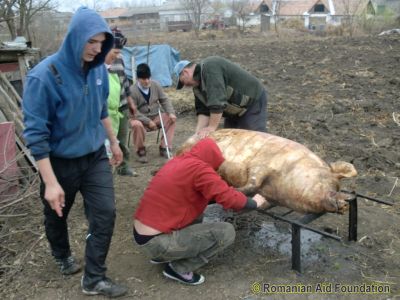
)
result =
(91, 176)
(255, 117)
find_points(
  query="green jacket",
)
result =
(114, 101)
(224, 87)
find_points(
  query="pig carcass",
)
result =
(286, 173)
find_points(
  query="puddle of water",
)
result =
(279, 239)
(271, 236)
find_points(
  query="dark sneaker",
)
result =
(187, 278)
(105, 287)
(68, 266)
(126, 171)
(164, 153)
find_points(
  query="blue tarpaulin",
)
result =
(161, 59)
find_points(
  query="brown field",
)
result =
(338, 96)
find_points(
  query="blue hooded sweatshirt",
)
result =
(63, 104)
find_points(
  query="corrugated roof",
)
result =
(113, 13)
(141, 10)
(171, 5)
(295, 8)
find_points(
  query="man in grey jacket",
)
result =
(223, 89)
(148, 97)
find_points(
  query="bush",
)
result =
(293, 23)
(380, 23)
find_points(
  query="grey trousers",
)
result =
(191, 247)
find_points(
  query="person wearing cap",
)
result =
(119, 99)
(223, 89)
(66, 123)
(149, 97)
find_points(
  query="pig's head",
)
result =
(315, 188)
(336, 201)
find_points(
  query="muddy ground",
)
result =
(338, 96)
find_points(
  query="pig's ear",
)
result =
(342, 169)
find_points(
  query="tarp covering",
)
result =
(161, 59)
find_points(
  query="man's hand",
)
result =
(132, 109)
(132, 106)
(152, 125)
(54, 194)
(117, 155)
(261, 201)
(204, 132)
(172, 118)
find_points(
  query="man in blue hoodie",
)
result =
(66, 123)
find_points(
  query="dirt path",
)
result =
(338, 96)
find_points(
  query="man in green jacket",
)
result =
(223, 89)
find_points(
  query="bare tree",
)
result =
(218, 5)
(352, 9)
(18, 14)
(242, 8)
(7, 15)
(195, 9)
(276, 11)
(27, 10)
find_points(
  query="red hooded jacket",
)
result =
(182, 188)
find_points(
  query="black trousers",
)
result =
(255, 117)
(91, 176)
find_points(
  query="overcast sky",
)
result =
(71, 5)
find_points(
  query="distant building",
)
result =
(173, 16)
(316, 14)
(169, 16)
(112, 16)
(133, 20)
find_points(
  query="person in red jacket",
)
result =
(165, 221)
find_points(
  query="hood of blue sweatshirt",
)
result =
(85, 24)
(65, 99)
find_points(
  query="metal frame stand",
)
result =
(298, 224)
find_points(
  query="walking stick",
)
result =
(163, 129)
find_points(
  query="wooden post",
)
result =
(22, 68)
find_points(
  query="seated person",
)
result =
(149, 97)
(164, 222)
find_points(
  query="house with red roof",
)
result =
(316, 14)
